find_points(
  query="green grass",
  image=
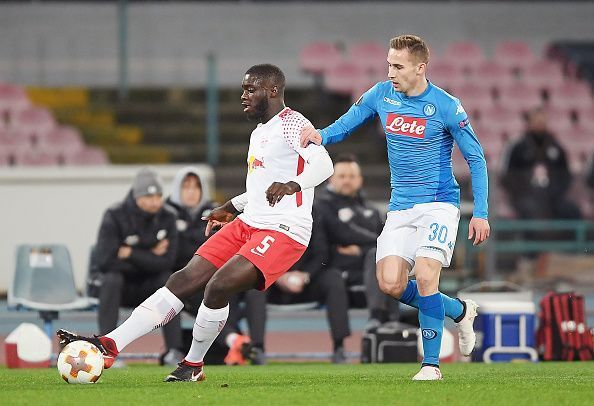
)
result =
(320, 384)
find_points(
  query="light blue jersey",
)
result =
(420, 134)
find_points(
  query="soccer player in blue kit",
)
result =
(421, 122)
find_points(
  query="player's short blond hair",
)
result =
(415, 45)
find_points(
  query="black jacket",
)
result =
(126, 224)
(340, 220)
(190, 228)
(523, 173)
(349, 221)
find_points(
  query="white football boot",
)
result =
(428, 373)
(466, 334)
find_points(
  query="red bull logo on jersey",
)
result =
(407, 126)
(254, 163)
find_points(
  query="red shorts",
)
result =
(272, 252)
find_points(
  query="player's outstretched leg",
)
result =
(237, 275)
(106, 345)
(156, 311)
(462, 312)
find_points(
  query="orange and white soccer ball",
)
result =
(80, 362)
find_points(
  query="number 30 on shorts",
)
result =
(438, 232)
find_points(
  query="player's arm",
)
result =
(319, 168)
(219, 216)
(363, 110)
(459, 126)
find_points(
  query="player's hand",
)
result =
(293, 281)
(351, 250)
(310, 134)
(218, 217)
(124, 252)
(161, 248)
(277, 190)
(478, 229)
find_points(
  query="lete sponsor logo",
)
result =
(407, 126)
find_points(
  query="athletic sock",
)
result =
(208, 325)
(156, 311)
(431, 316)
(454, 308)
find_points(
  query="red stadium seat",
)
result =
(12, 99)
(36, 158)
(503, 121)
(343, 78)
(12, 141)
(493, 74)
(445, 74)
(474, 97)
(36, 122)
(561, 124)
(317, 57)
(572, 95)
(87, 156)
(370, 57)
(63, 139)
(465, 54)
(516, 55)
(544, 74)
(585, 115)
(519, 97)
(4, 159)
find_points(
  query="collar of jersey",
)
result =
(273, 117)
(425, 92)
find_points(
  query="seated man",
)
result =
(309, 280)
(135, 254)
(192, 206)
(353, 225)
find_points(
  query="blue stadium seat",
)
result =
(43, 281)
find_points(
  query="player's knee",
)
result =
(393, 288)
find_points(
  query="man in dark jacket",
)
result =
(536, 175)
(189, 201)
(310, 280)
(352, 225)
(135, 254)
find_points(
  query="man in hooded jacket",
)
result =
(135, 253)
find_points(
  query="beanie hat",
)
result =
(146, 183)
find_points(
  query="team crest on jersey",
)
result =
(404, 125)
(429, 109)
(254, 163)
(429, 334)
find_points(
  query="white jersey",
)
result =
(275, 155)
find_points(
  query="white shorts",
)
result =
(425, 230)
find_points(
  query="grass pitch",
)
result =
(318, 384)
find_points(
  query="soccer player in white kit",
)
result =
(254, 249)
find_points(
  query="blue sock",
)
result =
(453, 307)
(431, 316)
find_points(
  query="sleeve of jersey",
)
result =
(459, 126)
(363, 110)
(319, 166)
(240, 201)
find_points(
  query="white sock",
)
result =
(154, 312)
(208, 325)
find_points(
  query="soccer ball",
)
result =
(80, 362)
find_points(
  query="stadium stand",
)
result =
(31, 136)
(514, 55)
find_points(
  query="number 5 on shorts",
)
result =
(263, 247)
